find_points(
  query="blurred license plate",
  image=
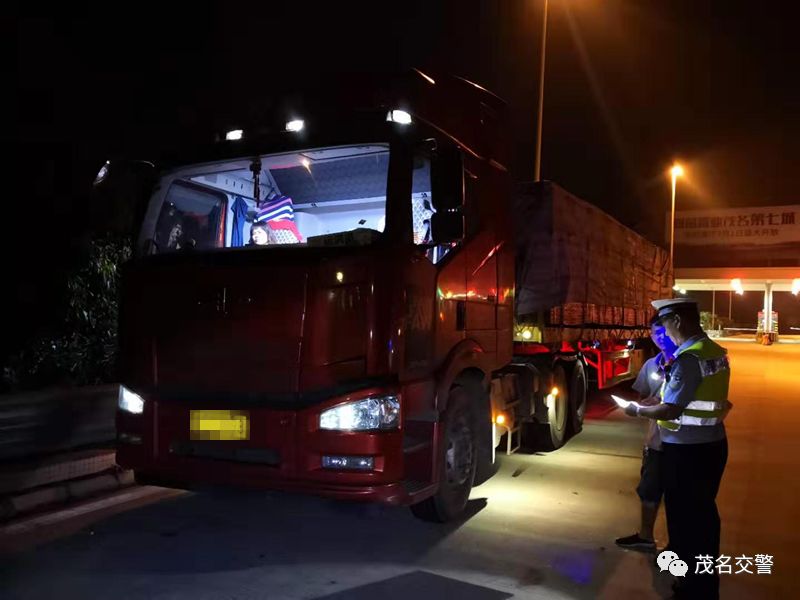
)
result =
(219, 425)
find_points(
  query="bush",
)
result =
(82, 350)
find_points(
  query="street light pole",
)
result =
(676, 171)
(730, 304)
(537, 175)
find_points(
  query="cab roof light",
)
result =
(400, 117)
(295, 125)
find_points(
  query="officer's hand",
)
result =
(651, 401)
(630, 410)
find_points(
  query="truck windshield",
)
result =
(329, 196)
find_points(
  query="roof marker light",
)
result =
(295, 125)
(427, 78)
(102, 173)
(400, 117)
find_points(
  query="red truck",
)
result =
(410, 312)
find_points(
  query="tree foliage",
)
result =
(82, 348)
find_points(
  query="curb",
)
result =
(14, 506)
(30, 531)
(35, 485)
(26, 475)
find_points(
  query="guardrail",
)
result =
(55, 420)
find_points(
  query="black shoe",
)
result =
(634, 542)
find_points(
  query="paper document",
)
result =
(621, 401)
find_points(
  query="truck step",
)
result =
(511, 446)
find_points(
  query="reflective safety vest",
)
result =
(710, 405)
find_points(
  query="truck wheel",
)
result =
(577, 397)
(558, 411)
(457, 462)
(486, 465)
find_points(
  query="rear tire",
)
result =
(577, 397)
(558, 412)
(457, 461)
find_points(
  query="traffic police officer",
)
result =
(690, 418)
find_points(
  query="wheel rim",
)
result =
(459, 452)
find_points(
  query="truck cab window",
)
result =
(190, 218)
(423, 210)
(331, 196)
(421, 206)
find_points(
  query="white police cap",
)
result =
(668, 306)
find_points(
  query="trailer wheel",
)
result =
(577, 397)
(457, 462)
(558, 411)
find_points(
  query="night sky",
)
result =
(631, 86)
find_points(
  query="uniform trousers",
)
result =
(692, 474)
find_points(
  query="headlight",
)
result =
(130, 402)
(382, 412)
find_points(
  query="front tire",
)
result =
(457, 462)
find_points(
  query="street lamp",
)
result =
(537, 174)
(676, 171)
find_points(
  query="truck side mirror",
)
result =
(447, 227)
(447, 196)
(120, 195)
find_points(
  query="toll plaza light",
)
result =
(295, 125)
(682, 292)
(500, 419)
(400, 117)
(736, 286)
(796, 286)
(234, 134)
(676, 287)
(676, 171)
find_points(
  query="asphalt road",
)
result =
(543, 527)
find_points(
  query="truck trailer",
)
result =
(404, 313)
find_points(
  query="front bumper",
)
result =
(284, 452)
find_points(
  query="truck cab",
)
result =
(321, 303)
